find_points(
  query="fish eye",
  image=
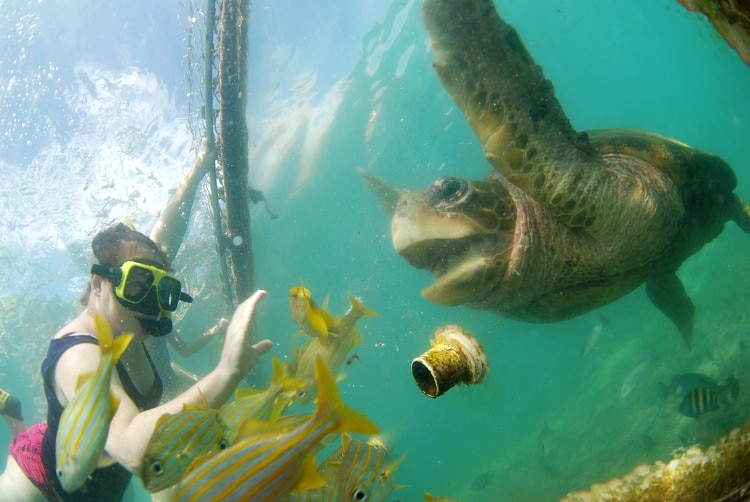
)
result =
(223, 444)
(359, 494)
(156, 468)
(447, 192)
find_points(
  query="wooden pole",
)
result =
(233, 142)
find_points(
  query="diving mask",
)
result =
(144, 288)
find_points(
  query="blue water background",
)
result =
(98, 123)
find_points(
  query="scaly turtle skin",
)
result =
(567, 221)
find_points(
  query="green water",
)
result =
(350, 84)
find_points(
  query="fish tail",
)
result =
(279, 371)
(359, 307)
(120, 344)
(107, 342)
(330, 404)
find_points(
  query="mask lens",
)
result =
(137, 284)
(168, 291)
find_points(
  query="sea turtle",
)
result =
(567, 221)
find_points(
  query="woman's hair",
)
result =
(108, 246)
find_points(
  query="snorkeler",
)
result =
(133, 289)
(10, 409)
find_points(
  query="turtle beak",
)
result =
(388, 195)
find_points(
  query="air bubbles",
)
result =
(236, 241)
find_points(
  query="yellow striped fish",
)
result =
(270, 461)
(306, 313)
(178, 440)
(259, 406)
(84, 423)
(356, 471)
(346, 337)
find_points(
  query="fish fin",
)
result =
(193, 406)
(107, 342)
(392, 466)
(310, 477)
(329, 318)
(114, 403)
(103, 331)
(83, 378)
(357, 305)
(329, 403)
(244, 393)
(204, 402)
(120, 344)
(668, 294)
(257, 428)
(161, 420)
(346, 440)
(289, 391)
(279, 371)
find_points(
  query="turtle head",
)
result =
(460, 230)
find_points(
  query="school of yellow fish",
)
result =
(249, 449)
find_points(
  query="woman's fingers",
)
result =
(243, 314)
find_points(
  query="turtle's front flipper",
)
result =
(741, 214)
(506, 98)
(668, 294)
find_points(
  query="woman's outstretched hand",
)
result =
(237, 355)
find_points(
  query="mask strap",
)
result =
(114, 275)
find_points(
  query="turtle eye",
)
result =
(445, 192)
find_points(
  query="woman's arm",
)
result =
(173, 221)
(130, 430)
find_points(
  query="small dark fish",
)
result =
(699, 401)
(482, 481)
(351, 359)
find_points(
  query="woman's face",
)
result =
(121, 319)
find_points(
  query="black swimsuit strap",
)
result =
(143, 401)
